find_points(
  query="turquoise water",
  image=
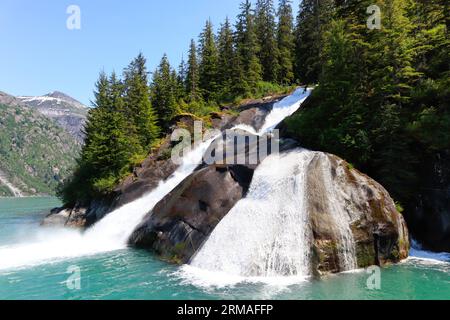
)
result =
(135, 274)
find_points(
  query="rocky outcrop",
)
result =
(79, 216)
(178, 225)
(158, 165)
(428, 215)
(378, 231)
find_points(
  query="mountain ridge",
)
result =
(69, 113)
(37, 151)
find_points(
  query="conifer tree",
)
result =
(226, 58)
(164, 92)
(265, 29)
(181, 78)
(247, 49)
(312, 19)
(286, 43)
(138, 107)
(109, 146)
(192, 75)
(123, 145)
(94, 149)
(208, 72)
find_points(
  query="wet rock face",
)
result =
(253, 113)
(378, 231)
(178, 225)
(158, 165)
(79, 216)
(428, 216)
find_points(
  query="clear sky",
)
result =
(40, 54)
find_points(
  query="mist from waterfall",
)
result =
(112, 232)
(109, 234)
(267, 233)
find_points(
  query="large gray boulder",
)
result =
(378, 230)
(181, 223)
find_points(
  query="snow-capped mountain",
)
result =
(37, 150)
(69, 113)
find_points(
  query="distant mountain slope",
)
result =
(69, 113)
(35, 152)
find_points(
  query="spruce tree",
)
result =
(226, 58)
(286, 43)
(138, 107)
(208, 72)
(312, 21)
(123, 145)
(265, 29)
(109, 146)
(247, 49)
(164, 92)
(192, 75)
(181, 80)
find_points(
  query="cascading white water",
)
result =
(108, 234)
(284, 108)
(280, 111)
(113, 231)
(267, 233)
(342, 221)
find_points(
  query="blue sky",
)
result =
(41, 55)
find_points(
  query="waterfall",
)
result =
(112, 232)
(15, 191)
(109, 234)
(284, 108)
(267, 233)
(280, 111)
(342, 221)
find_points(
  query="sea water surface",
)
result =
(136, 274)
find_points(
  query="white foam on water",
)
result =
(207, 279)
(266, 234)
(109, 234)
(417, 253)
(112, 232)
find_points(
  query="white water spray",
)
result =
(280, 111)
(113, 231)
(284, 108)
(266, 234)
(108, 234)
